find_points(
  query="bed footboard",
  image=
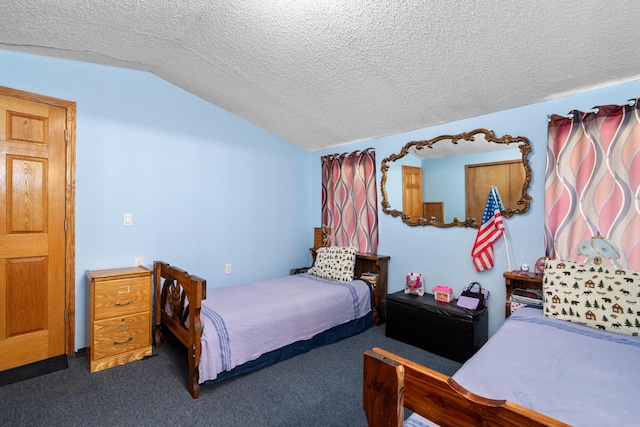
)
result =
(392, 383)
(179, 298)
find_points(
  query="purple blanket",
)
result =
(240, 323)
(575, 374)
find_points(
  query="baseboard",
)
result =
(33, 370)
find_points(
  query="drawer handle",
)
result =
(123, 342)
(124, 289)
(120, 304)
(122, 327)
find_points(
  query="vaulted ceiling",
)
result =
(322, 73)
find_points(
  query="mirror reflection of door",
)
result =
(507, 176)
(412, 191)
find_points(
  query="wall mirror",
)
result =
(445, 181)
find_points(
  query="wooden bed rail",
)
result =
(391, 383)
(183, 293)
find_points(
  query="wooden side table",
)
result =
(378, 264)
(519, 279)
(119, 316)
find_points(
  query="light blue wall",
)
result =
(443, 255)
(205, 187)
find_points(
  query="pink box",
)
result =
(443, 293)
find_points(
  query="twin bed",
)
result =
(234, 330)
(565, 364)
(538, 369)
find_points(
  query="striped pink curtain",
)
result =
(350, 199)
(592, 182)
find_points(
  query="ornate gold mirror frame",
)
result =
(478, 136)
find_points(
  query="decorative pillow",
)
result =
(334, 263)
(601, 297)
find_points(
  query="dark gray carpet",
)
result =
(320, 388)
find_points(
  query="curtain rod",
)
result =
(594, 110)
(338, 155)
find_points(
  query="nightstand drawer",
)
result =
(121, 297)
(121, 334)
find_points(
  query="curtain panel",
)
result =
(592, 181)
(350, 199)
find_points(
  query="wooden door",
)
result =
(508, 176)
(412, 191)
(33, 198)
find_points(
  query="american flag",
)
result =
(490, 230)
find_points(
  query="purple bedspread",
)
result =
(575, 374)
(242, 322)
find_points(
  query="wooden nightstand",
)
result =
(522, 280)
(377, 264)
(120, 316)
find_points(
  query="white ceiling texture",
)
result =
(322, 73)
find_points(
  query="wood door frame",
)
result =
(70, 204)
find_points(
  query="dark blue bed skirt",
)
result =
(329, 336)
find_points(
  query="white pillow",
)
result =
(334, 263)
(601, 297)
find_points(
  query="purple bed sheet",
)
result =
(575, 374)
(242, 322)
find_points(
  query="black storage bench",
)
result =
(438, 327)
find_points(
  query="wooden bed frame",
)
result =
(178, 285)
(195, 290)
(392, 383)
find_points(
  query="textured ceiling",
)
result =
(322, 73)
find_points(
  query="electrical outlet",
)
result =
(127, 219)
(227, 269)
(138, 262)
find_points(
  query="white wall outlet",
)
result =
(127, 219)
(227, 269)
(139, 262)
